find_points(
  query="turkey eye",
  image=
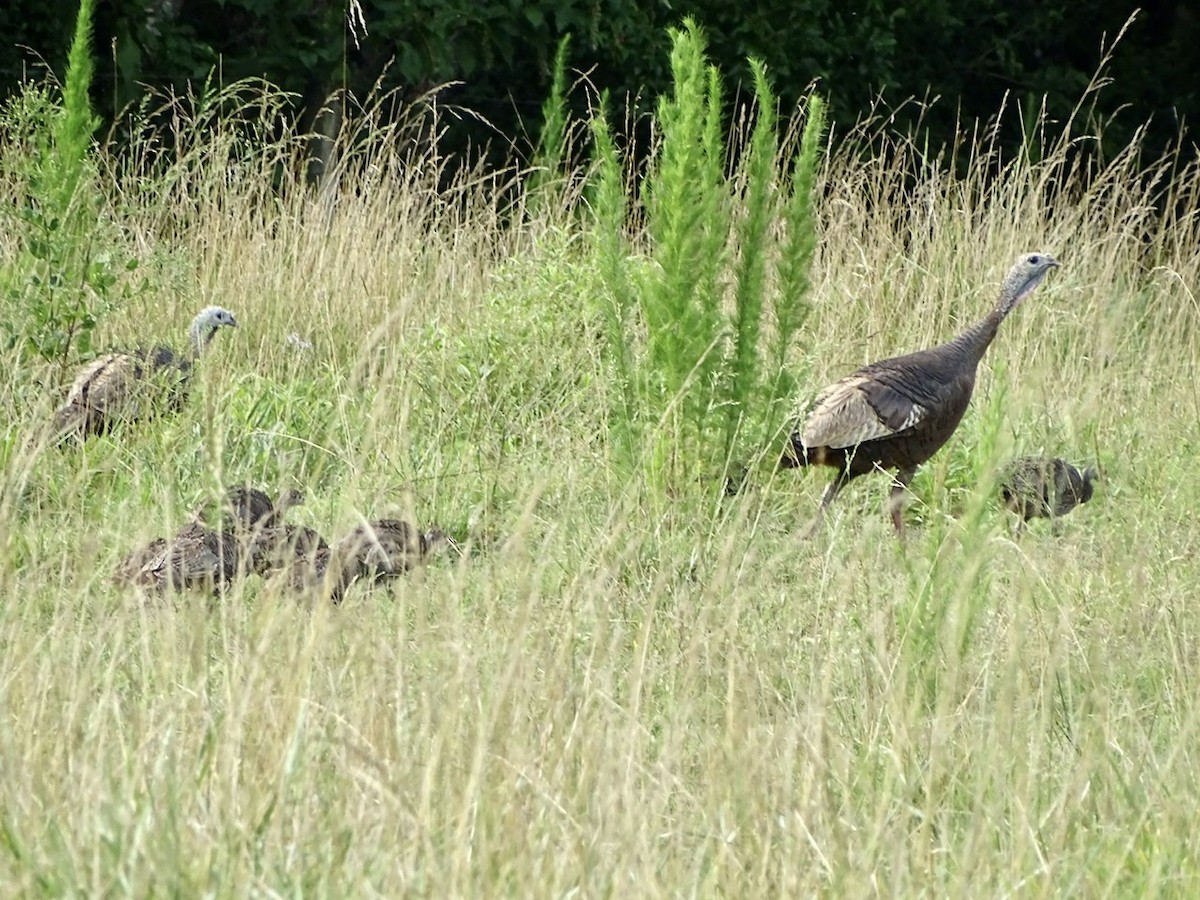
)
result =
(1034, 260)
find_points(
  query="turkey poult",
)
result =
(200, 557)
(1048, 487)
(247, 508)
(386, 548)
(123, 385)
(896, 413)
(196, 558)
(299, 559)
(294, 549)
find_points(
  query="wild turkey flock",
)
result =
(892, 414)
(250, 537)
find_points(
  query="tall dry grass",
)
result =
(594, 700)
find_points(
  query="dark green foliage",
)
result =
(67, 273)
(799, 246)
(971, 56)
(696, 387)
(551, 147)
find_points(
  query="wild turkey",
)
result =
(300, 561)
(247, 508)
(386, 548)
(129, 569)
(208, 558)
(127, 385)
(197, 558)
(293, 549)
(896, 413)
(1048, 487)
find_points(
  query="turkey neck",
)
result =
(200, 337)
(973, 342)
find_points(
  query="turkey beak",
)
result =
(233, 322)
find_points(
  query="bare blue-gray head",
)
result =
(1023, 278)
(205, 325)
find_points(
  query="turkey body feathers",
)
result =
(285, 546)
(885, 400)
(385, 548)
(117, 385)
(249, 537)
(381, 549)
(247, 509)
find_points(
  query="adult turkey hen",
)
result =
(1049, 487)
(125, 385)
(898, 412)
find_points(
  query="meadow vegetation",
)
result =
(608, 693)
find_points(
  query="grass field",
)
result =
(602, 697)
